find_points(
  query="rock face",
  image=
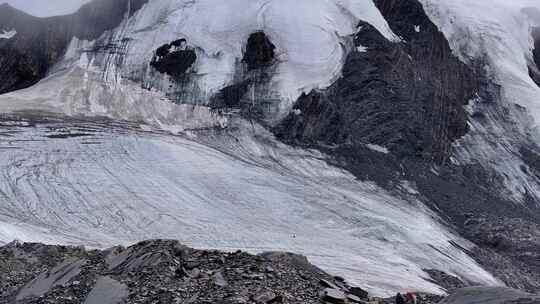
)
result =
(159, 271)
(259, 51)
(534, 68)
(407, 96)
(174, 59)
(39, 43)
(250, 91)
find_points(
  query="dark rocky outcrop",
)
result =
(174, 59)
(40, 42)
(531, 157)
(407, 96)
(259, 51)
(534, 67)
(250, 92)
(160, 271)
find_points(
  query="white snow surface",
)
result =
(8, 34)
(378, 148)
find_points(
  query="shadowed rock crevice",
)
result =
(41, 42)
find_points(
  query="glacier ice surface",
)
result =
(100, 185)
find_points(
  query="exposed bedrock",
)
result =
(39, 43)
(174, 59)
(250, 92)
(407, 96)
(534, 67)
(259, 51)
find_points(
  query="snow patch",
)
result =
(409, 187)
(377, 148)
(8, 34)
(361, 49)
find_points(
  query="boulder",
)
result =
(334, 296)
(219, 279)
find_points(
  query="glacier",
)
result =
(90, 157)
(126, 164)
(100, 183)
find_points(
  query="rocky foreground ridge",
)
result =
(164, 271)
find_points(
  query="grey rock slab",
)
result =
(334, 296)
(58, 276)
(107, 291)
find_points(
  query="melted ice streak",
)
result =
(498, 32)
(8, 34)
(229, 192)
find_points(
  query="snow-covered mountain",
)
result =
(377, 137)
